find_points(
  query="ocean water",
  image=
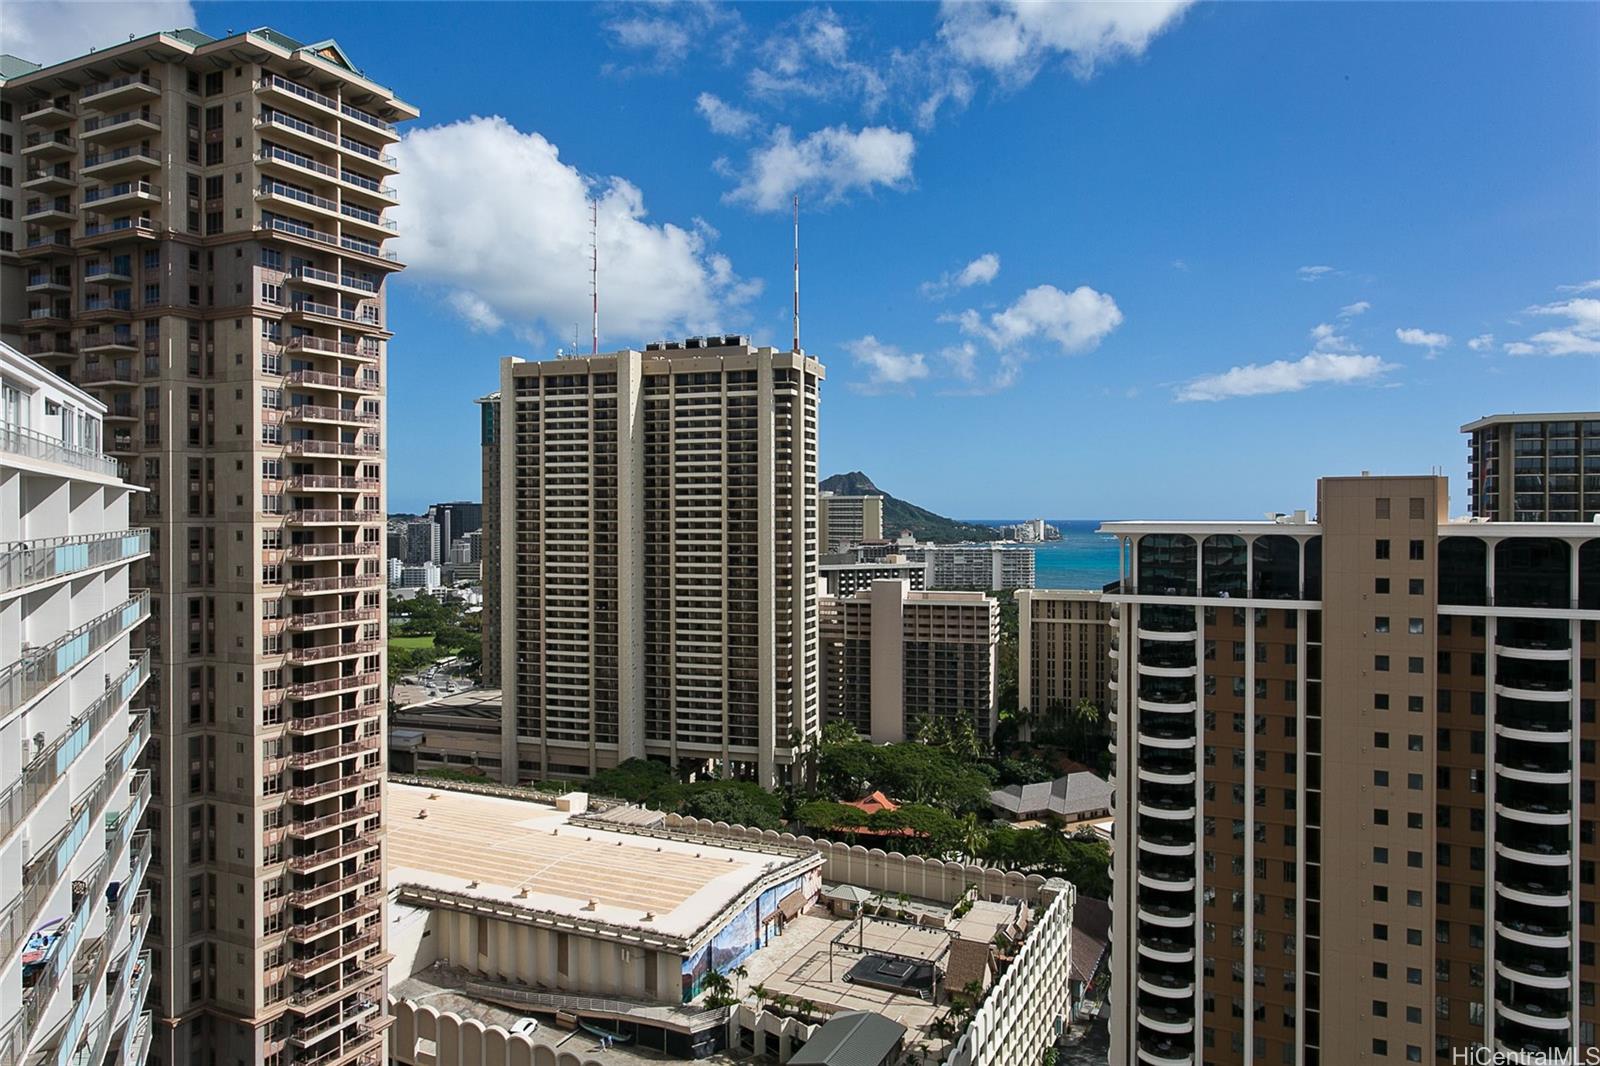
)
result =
(1081, 559)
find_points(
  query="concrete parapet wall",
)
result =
(882, 871)
(458, 1041)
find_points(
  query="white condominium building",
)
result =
(73, 853)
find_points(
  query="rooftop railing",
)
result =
(35, 445)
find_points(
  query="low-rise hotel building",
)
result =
(1063, 650)
(895, 659)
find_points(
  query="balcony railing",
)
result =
(330, 516)
(366, 150)
(112, 339)
(341, 550)
(366, 382)
(273, 81)
(314, 723)
(348, 582)
(337, 853)
(311, 689)
(269, 117)
(100, 122)
(333, 414)
(289, 192)
(367, 316)
(303, 967)
(333, 786)
(42, 875)
(329, 618)
(310, 897)
(306, 829)
(112, 84)
(34, 445)
(130, 152)
(22, 795)
(344, 986)
(366, 118)
(32, 561)
(124, 188)
(133, 225)
(40, 667)
(330, 447)
(329, 277)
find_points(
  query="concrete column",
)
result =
(630, 556)
(888, 714)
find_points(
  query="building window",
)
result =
(1382, 549)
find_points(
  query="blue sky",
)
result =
(1129, 261)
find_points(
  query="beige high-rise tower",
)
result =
(1355, 784)
(199, 239)
(657, 540)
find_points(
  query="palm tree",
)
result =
(973, 836)
(739, 974)
(1082, 721)
(760, 992)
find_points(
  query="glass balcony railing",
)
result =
(29, 562)
(21, 796)
(39, 667)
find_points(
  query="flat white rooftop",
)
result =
(509, 846)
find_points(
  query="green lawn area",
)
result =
(412, 643)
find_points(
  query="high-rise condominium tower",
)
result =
(74, 912)
(1534, 467)
(200, 229)
(657, 538)
(1355, 784)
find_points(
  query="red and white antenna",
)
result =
(796, 273)
(594, 274)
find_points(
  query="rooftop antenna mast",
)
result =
(594, 274)
(796, 348)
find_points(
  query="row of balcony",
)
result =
(40, 667)
(272, 154)
(22, 796)
(275, 83)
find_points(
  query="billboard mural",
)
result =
(746, 931)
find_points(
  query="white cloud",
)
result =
(1483, 342)
(981, 271)
(830, 164)
(1421, 338)
(887, 366)
(1283, 375)
(1579, 335)
(1077, 321)
(672, 32)
(1360, 307)
(809, 55)
(962, 359)
(515, 251)
(475, 311)
(1314, 273)
(1582, 286)
(1327, 338)
(723, 117)
(48, 31)
(1179, 264)
(1013, 40)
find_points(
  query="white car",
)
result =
(525, 1026)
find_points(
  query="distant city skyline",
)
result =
(1096, 269)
